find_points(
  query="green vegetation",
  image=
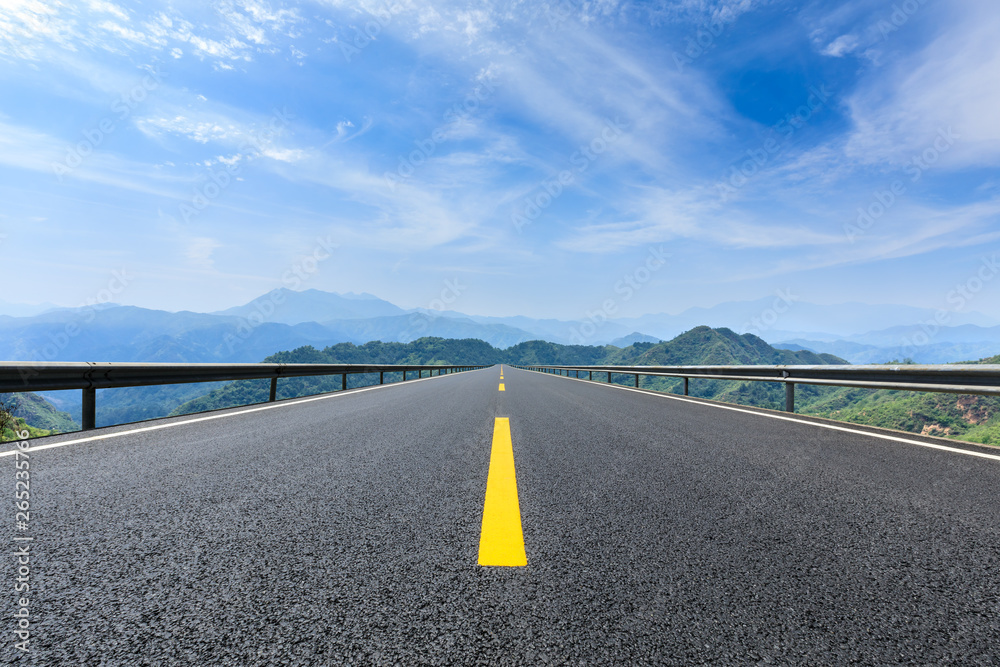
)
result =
(698, 346)
(8, 422)
(32, 413)
(966, 417)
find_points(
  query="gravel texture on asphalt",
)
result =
(346, 531)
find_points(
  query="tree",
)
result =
(8, 405)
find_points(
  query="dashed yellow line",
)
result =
(501, 387)
(502, 541)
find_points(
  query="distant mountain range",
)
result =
(920, 344)
(287, 307)
(285, 319)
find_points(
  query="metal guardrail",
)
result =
(952, 379)
(89, 377)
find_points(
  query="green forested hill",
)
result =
(38, 417)
(38, 412)
(702, 345)
(424, 351)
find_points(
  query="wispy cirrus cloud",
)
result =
(952, 82)
(559, 73)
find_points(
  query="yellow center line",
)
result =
(502, 541)
(501, 387)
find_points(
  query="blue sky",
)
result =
(532, 154)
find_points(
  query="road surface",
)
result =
(347, 529)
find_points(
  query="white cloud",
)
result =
(231, 48)
(658, 215)
(202, 130)
(127, 34)
(27, 149)
(284, 154)
(30, 28)
(254, 136)
(913, 230)
(199, 250)
(254, 20)
(952, 83)
(841, 46)
(262, 13)
(107, 8)
(26, 25)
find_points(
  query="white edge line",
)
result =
(832, 427)
(270, 406)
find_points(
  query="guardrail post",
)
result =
(637, 380)
(381, 377)
(274, 390)
(591, 375)
(89, 416)
(685, 386)
(609, 377)
(789, 397)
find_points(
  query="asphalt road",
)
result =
(346, 531)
